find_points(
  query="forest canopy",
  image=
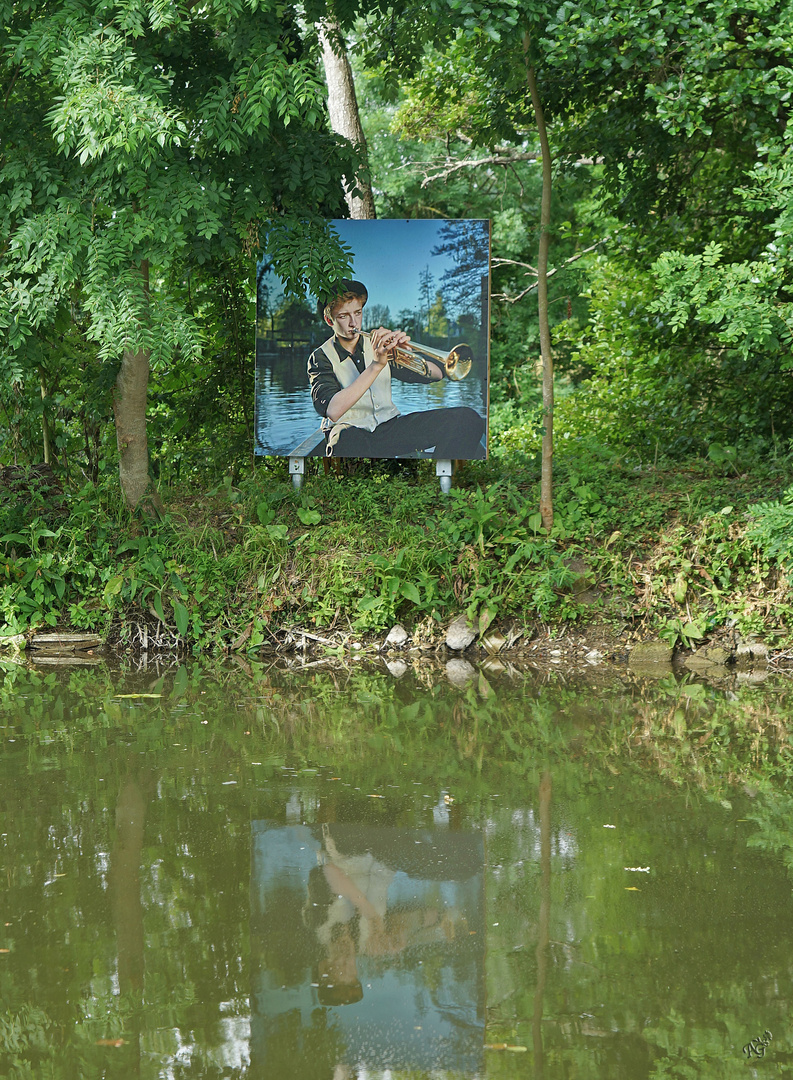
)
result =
(152, 152)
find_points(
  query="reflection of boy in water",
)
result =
(336, 972)
(347, 908)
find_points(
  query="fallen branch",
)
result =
(314, 637)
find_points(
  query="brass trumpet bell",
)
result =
(456, 363)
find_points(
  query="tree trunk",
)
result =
(45, 426)
(127, 907)
(129, 410)
(344, 116)
(546, 477)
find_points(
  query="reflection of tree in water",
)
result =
(290, 952)
(293, 1048)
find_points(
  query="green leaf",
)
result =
(486, 616)
(410, 592)
(182, 617)
(309, 517)
(264, 512)
(157, 605)
(180, 682)
(113, 586)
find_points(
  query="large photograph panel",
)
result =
(428, 279)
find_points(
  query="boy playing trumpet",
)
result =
(350, 377)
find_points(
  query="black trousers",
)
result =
(449, 433)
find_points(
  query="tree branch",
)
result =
(503, 159)
(530, 269)
(14, 78)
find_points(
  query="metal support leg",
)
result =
(443, 470)
(297, 466)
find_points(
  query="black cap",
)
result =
(339, 288)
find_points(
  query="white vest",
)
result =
(375, 405)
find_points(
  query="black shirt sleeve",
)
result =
(324, 383)
(322, 380)
(404, 374)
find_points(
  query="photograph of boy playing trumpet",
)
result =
(350, 377)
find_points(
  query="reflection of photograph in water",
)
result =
(367, 947)
(429, 278)
(335, 972)
(347, 908)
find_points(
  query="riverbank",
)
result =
(686, 558)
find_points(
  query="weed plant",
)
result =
(683, 551)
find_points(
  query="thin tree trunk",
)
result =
(45, 426)
(546, 477)
(129, 410)
(344, 116)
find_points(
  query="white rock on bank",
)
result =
(460, 634)
(397, 635)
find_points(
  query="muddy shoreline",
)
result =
(721, 660)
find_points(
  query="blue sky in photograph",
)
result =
(389, 256)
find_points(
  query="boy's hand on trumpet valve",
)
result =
(384, 341)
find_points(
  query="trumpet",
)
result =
(456, 363)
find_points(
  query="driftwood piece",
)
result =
(65, 643)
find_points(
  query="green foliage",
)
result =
(771, 528)
(133, 133)
(677, 632)
(684, 109)
(233, 566)
(736, 299)
(139, 147)
(647, 392)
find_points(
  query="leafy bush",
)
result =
(653, 392)
(772, 528)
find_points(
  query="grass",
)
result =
(670, 550)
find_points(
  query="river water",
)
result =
(327, 873)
